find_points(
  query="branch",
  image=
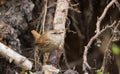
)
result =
(103, 15)
(60, 20)
(61, 14)
(98, 32)
(13, 56)
(117, 5)
(85, 64)
(44, 17)
(106, 54)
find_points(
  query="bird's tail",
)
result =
(35, 34)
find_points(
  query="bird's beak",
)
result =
(60, 32)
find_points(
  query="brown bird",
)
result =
(2, 2)
(48, 41)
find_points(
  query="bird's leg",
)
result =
(45, 57)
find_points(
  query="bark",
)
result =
(13, 56)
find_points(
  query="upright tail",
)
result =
(35, 34)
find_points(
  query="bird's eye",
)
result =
(54, 33)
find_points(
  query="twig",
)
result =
(98, 32)
(36, 59)
(76, 28)
(117, 4)
(44, 16)
(103, 15)
(78, 31)
(40, 64)
(105, 59)
(85, 64)
(71, 6)
(52, 5)
(75, 9)
(39, 20)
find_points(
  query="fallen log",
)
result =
(15, 57)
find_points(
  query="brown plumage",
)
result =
(48, 41)
(2, 2)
